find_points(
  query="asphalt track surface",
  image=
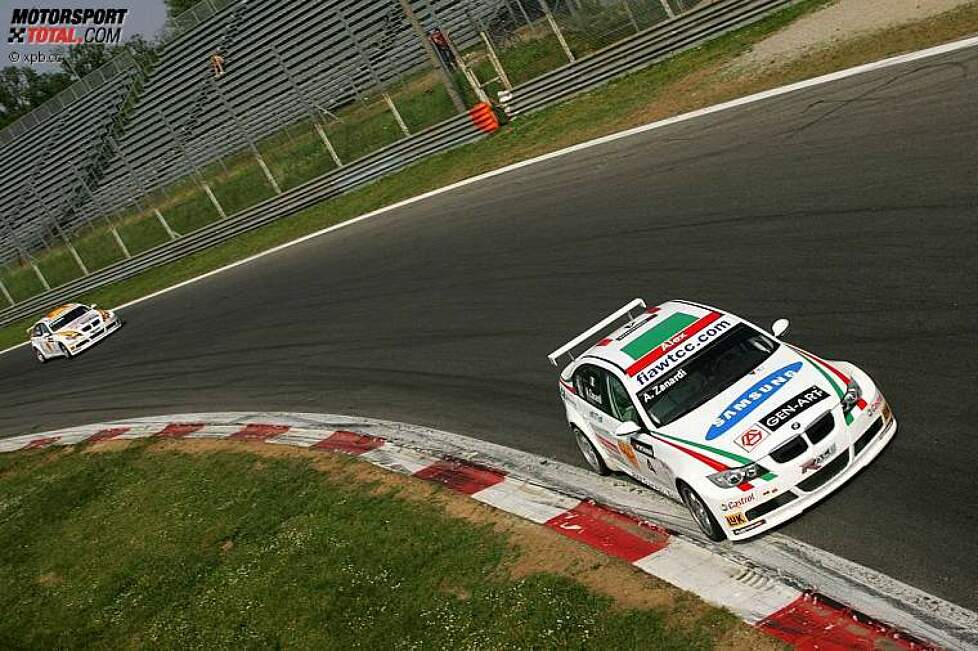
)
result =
(849, 208)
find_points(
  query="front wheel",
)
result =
(39, 356)
(701, 513)
(589, 453)
(65, 351)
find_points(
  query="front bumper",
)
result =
(845, 452)
(89, 339)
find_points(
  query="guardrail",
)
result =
(667, 39)
(451, 133)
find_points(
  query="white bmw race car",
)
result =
(70, 329)
(746, 430)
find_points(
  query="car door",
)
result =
(36, 340)
(47, 340)
(639, 448)
(594, 404)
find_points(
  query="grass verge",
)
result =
(182, 544)
(697, 78)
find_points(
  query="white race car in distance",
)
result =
(70, 329)
(746, 430)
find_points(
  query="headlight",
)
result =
(737, 476)
(70, 334)
(851, 397)
(105, 314)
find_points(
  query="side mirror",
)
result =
(779, 327)
(94, 305)
(627, 429)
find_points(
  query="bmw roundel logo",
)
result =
(795, 425)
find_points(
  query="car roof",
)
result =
(635, 345)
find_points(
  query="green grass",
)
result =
(98, 249)
(229, 550)
(300, 161)
(532, 59)
(691, 80)
(59, 267)
(21, 282)
(142, 232)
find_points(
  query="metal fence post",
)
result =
(667, 8)
(72, 249)
(373, 73)
(194, 172)
(247, 137)
(324, 113)
(496, 63)
(6, 294)
(556, 30)
(308, 106)
(526, 16)
(139, 186)
(172, 234)
(40, 276)
(26, 256)
(480, 26)
(631, 16)
(459, 59)
(433, 56)
(57, 227)
(22, 251)
(112, 228)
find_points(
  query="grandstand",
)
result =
(182, 101)
(45, 158)
(123, 131)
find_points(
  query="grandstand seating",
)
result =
(38, 165)
(181, 99)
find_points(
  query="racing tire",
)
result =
(64, 351)
(39, 356)
(701, 514)
(590, 453)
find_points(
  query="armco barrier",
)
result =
(456, 131)
(662, 41)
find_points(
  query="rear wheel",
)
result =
(589, 453)
(701, 513)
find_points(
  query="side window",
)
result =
(591, 385)
(621, 402)
(36, 332)
(44, 330)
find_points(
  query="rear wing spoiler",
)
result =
(597, 328)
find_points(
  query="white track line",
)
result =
(692, 115)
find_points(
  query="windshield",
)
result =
(68, 317)
(713, 370)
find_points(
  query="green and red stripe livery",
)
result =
(657, 341)
(713, 463)
(828, 371)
